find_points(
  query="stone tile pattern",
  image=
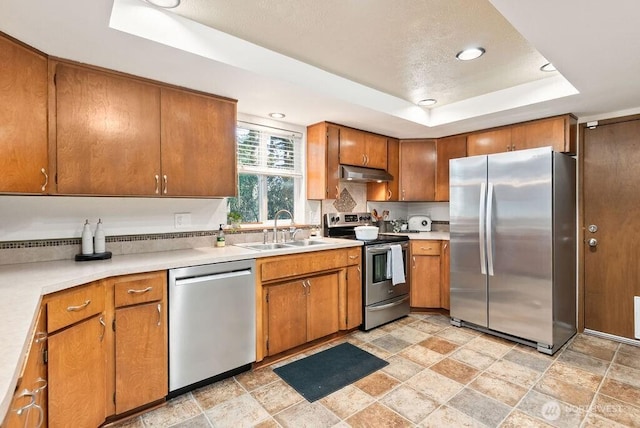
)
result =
(438, 376)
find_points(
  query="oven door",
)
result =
(378, 286)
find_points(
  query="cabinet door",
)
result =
(23, 119)
(484, 143)
(141, 355)
(447, 149)
(417, 170)
(552, 132)
(77, 381)
(388, 191)
(323, 169)
(352, 147)
(425, 281)
(198, 145)
(375, 151)
(322, 306)
(354, 297)
(33, 383)
(445, 272)
(108, 133)
(286, 305)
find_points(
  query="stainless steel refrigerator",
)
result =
(513, 246)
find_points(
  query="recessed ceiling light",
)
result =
(469, 54)
(167, 4)
(427, 102)
(548, 67)
(277, 115)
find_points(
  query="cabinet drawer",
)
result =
(70, 306)
(425, 248)
(354, 256)
(134, 289)
(301, 264)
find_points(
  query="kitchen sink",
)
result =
(281, 245)
(305, 243)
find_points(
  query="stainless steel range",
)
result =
(383, 301)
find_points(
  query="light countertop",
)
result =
(23, 285)
(438, 235)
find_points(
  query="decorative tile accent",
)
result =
(345, 203)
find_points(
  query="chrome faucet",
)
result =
(275, 223)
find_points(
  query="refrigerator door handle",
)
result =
(482, 215)
(489, 231)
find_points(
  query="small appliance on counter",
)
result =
(419, 223)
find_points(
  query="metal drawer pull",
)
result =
(40, 336)
(159, 313)
(26, 393)
(131, 291)
(164, 178)
(423, 248)
(79, 307)
(353, 257)
(157, 184)
(46, 179)
(104, 327)
(388, 194)
(40, 385)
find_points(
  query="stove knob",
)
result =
(368, 218)
(337, 219)
(333, 219)
(360, 218)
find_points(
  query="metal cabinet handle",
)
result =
(353, 257)
(403, 194)
(414, 261)
(40, 336)
(104, 327)
(364, 159)
(159, 313)
(388, 194)
(425, 248)
(513, 147)
(165, 187)
(157, 183)
(32, 396)
(40, 384)
(444, 246)
(337, 191)
(132, 291)
(358, 269)
(308, 286)
(79, 307)
(593, 242)
(509, 148)
(46, 179)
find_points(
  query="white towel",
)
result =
(397, 265)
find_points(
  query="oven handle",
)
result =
(382, 249)
(388, 305)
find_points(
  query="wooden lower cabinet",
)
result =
(425, 274)
(300, 311)
(445, 275)
(110, 362)
(32, 386)
(354, 297)
(77, 380)
(140, 355)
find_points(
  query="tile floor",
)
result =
(438, 376)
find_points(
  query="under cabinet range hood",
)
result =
(364, 175)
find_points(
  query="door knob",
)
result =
(593, 242)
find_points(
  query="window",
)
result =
(269, 172)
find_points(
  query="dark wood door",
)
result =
(198, 145)
(23, 119)
(611, 202)
(108, 133)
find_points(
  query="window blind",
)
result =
(266, 150)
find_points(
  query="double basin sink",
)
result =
(282, 245)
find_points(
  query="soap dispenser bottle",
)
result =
(87, 239)
(220, 238)
(99, 243)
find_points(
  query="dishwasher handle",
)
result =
(212, 277)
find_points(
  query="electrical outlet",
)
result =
(182, 220)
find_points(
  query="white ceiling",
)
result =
(361, 64)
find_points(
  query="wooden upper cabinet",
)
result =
(361, 148)
(447, 149)
(488, 142)
(108, 133)
(388, 191)
(417, 170)
(323, 169)
(23, 120)
(198, 145)
(558, 132)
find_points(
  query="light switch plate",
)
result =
(636, 315)
(182, 220)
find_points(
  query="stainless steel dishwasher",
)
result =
(212, 323)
